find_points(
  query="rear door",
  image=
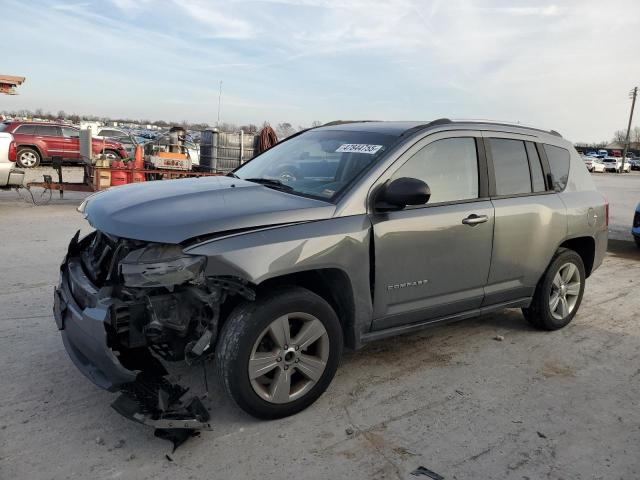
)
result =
(71, 137)
(51, 137)
(530, 218)
(431, 261)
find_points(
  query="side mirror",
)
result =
(405, 191)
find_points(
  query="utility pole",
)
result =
(220, 102)
(632, 95)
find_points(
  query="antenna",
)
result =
(219, 102)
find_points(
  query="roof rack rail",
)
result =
(438, 121)
(342, 122)
(553, 132)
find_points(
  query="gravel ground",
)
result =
(452, 398)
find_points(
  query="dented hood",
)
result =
(173, 211)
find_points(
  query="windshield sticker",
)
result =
(358, 148)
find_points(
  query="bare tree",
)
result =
(316, 123)
(284, 130)
(620, 136)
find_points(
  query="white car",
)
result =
(588, 162)
(609, 164)
(9, 175)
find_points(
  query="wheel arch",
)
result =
(333, 285)
(585, 247)
(34, 147)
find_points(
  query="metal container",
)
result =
(209, 151)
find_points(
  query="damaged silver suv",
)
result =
(338, 236)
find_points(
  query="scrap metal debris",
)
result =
(424, 471)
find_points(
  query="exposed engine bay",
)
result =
(158, 305)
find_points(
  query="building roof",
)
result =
(12, 80)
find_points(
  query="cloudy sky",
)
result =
(567, 65)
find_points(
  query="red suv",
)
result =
(38, 142)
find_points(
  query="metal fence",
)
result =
(223, 151)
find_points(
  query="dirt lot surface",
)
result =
(561, 405)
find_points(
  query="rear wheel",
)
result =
(559, 292)
(277, 355)
(112, 155)
(28, 157)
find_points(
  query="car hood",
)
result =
(173, 211)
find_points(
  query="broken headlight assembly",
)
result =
(161, 266)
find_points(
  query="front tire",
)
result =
(559, 292)
(28, 157)
(278, 354)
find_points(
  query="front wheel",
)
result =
(278, 354)
(559, 292)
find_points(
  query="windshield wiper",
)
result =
(271, 183)
(233, 175)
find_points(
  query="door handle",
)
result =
(474, 219)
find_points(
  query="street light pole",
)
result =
(632, 95)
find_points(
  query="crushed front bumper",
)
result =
(84, 331)
(82, 314)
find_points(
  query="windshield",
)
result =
(318, 163)
(3, 126)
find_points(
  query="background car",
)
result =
(9, 175)
(588, 162)
(39, 141)
(634, 164)
(598, 165)
(614, 164)
(128, 141)
(635, 231)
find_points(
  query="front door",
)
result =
(433, 260)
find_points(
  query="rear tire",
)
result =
(254, 357)
(28, 157)
(112, 155)
(559, 292)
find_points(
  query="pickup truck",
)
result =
(9, 175)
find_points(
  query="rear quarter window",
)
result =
(559, 165)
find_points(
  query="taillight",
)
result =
(13, 152)
(606, 211)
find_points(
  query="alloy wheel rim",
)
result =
(565, 290)
(288, 358)
(28, 159)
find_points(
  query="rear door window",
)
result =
(49, 131)
(70, 132)
(26, 130)
(448, 166)
(559, 165)
(511, 166)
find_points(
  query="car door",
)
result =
(51, 136)
(71, 138)
(432, 261)
(530, 218)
